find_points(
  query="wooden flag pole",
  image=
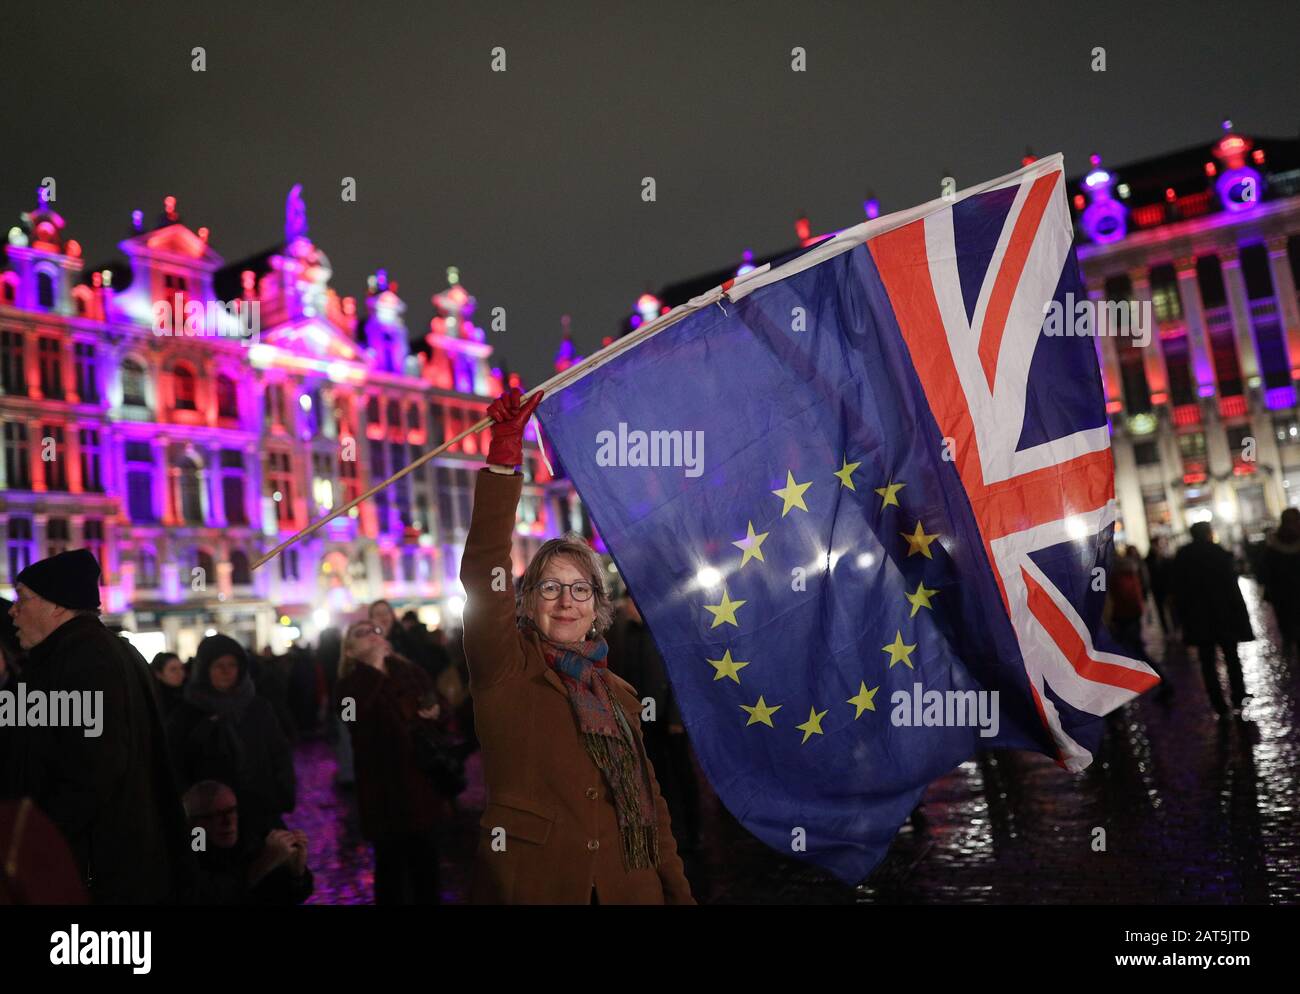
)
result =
(556, 382)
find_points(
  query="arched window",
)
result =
(240, 574)
(372, 411)
(394, 416)
(45, 290)
(203, 561)
(227, 398)
(191, 501)
(183, 387)
(133, 383)
(413, 417)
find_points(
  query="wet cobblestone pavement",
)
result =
(1194, 811)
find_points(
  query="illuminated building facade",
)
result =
(179, 439)
(1204, 418)
(1205, 423)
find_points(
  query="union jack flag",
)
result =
(901, 501)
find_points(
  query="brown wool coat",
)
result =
(544, 791)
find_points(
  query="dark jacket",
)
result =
(235, 739)
(634, 656)
(1207, 596)
(113, 797)
(394, 796)
(1281, 577)
(224, 878)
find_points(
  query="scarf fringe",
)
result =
(617, 760)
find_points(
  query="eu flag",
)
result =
(862, 501)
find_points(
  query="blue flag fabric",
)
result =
(857, 566)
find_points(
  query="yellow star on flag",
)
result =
(724, 612)
(761, 712)
(890, 492)
(752, 545)
(845, 473)
(864, 700)
(919, 541)
(899, 650)
(726, 666)
(919, 599)
(792, 494)
(813, 726)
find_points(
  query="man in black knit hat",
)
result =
(111, 794)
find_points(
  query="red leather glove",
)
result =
(510, 417)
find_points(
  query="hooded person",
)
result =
(1281, 577)
(222, 730)
(102, 777)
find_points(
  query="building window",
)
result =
(91, 460)
(413, 417)
(17, 456)
(436, 435)
(274, 405)
(44, 291)
(87, 378)
(349, 478)
(139, 482)
(372, 411)
(289, 565)
(1146, 453)
(13, 364)
(240, 574)
(208, 568)
(279, 485)
(322, 482)
(227, 397)
(56, 469)
(232, 487)
(51, 363)
(57, 538)
(146, 573)
(1165, 301)
(133, 393)
(402, 488)
(93, 533)
(386, 567)
(394, 418)
(183, 387)
(20, 545)
(190, 491)
(408, 565)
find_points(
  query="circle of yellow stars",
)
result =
(751, 546)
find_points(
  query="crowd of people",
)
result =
(185, 790)
(185, 795)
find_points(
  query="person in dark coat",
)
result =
(235, 869)
(1213, 613)
(1158, 564)
(1280, 574)
(111, 793)
(169, 677)
(11, 662)
(224, 731)
(634, 656)
(384, 699)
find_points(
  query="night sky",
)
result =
(530, 180)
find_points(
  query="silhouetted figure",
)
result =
(1280, 573)
(224, 731)
(111, 793)
(1213, 613)
(1158, 564)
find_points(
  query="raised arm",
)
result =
(492, 648)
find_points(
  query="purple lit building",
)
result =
(180, 416)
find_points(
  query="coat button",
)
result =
(593, 845)
(593, 793)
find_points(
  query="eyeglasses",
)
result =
(550, 590)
